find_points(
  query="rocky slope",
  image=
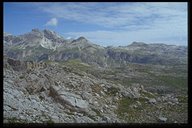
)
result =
(47, 45)
(52, 92)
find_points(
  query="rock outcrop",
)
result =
(39, 96)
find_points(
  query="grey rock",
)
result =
(55, 119)
(162, 119)
(107, 119)
(138, 103)
(69, 98)
(86, 96)
(152, 101)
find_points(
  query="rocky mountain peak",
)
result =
(138, 44)
(82, 39)
(51, 34)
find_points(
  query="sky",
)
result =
(104, 23)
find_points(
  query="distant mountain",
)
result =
(48, 45)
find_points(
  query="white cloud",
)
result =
(126, 22)
(116, 14)
(52, 22)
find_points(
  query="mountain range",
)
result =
(46, 45)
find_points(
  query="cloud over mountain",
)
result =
(52, 22)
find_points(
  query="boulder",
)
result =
(162, 119)
(69, 98)
(86, 96)
(152, 101)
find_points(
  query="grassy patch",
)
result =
(149, 95)
(179, 82)
(96, 88)
(21, 77)
(15, 120)
(112, 91)
(126, 112)
(149, 113)
(183, 99)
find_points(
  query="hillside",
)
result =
(52, 92)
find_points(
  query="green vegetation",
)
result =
(49, 121)
(149, 113)
(147, 75)
(174, 81)
(22, 76)
(128, 113)
(15, 120)
(16, 49)
(112, 91)
(183, 99)
(76, 63)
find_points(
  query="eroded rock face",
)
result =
(16, 64)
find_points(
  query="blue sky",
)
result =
(106, 23)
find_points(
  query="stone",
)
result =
(97, 95)
(69, 98)
(86, 96)
(105, 90)
(126, 94)
(55, 119)
(105, 118)
(95, 103)
(102, 93)
(115, 98)
(162, 119)
(152, 101)
(138, 103)
(135, 106)
(159, 99)
(175, 100)
(106, 106)
(83, 119)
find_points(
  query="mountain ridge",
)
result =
(38, 44)
(82, 37)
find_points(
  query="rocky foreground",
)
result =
(53, 93)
